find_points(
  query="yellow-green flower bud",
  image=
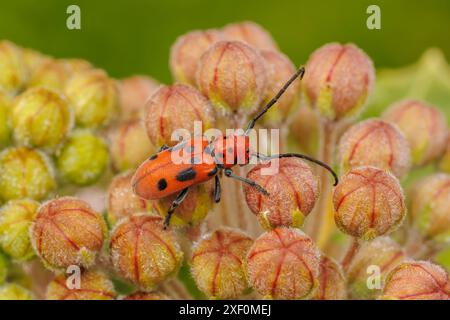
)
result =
(93, 96)
(16, 217)
(67, 231)
(12, 67)
(25, 173)
(5, 130)
(51, 73)
(41, 118)
(3, 268)
(12, 291)
(83, 158)
(33, 59)
(77, 65)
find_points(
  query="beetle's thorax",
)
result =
(231, 150)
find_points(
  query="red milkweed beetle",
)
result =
(159, 176)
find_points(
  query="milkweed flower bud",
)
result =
(430, 207)
(176, 107)
(51, 73)
(13, 73)
(16, 217)
(217, 263)
(423, 125)
(284, 264)
(233, 77)
(143, 252)
(375, 143)
(25, 173)
(93, 285)
(94, 98)
(251, 33)
(12, 291)
(338, 80)
(332, 282)
(75, 65)
(293, 192)
(3, 268)
(194, 208)
(187, 50)
(66, 231)
(33, 59)
(417, 280)
(140, 295)
(83, 158)
(279, 69)
(130, 145)
(40, 118)
(134, 93)
(368, 202)
(5, 108)
(444, 164)
(381, 254)
(122, 201)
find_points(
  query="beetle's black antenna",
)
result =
(300, 72)
(301, 156)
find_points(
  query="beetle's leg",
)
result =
(217, 190)
(229, 173)
(163, 147)
(181, 196)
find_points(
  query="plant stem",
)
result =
(328, 142)
(351, 252)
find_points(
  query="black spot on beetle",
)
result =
(162, 184)
(212, 172)
(186, 175)
(153, 157)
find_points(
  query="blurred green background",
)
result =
(132, 36)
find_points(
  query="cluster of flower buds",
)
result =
(64, 124)
(238, 68)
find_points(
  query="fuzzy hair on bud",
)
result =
(284, 264)
(217, 263)
(368, 202)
